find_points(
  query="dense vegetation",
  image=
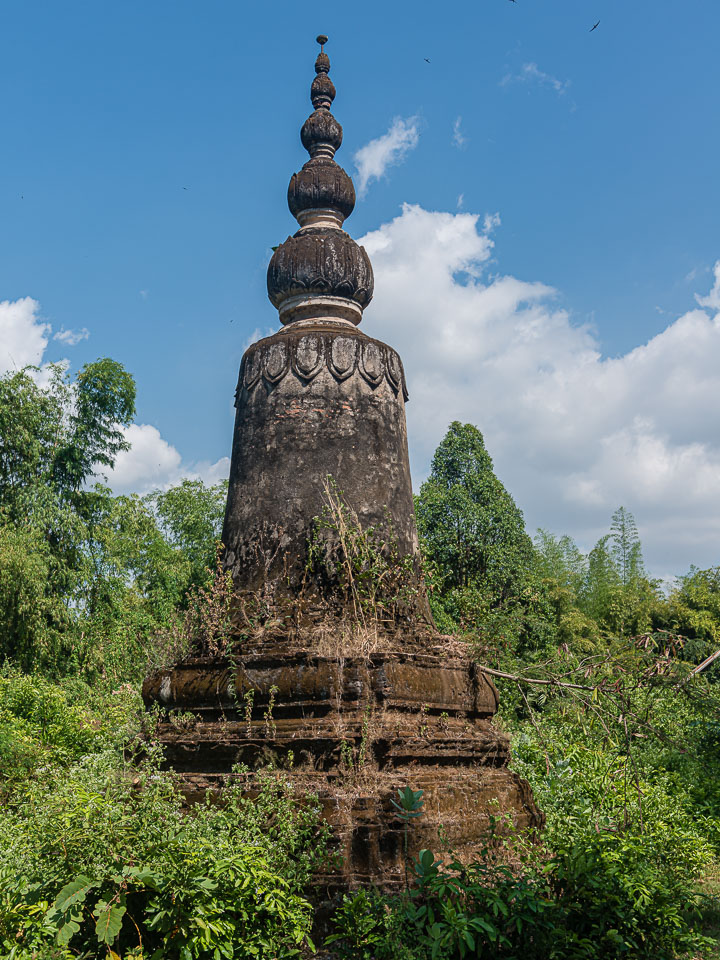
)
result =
(612, 722)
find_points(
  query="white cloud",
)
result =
(148, 463)
(459, 140)
(375, 157)
(152, 463)
(24, 337)
(531, 73)
(573, 434)
(259, 333)
(72, 337)
(712, 301)
(23, 334)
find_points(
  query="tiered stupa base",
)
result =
(352, 730)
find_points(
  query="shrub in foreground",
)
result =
(98, 860)
(601, 896)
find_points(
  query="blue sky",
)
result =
(147, 152)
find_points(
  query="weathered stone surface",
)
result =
(322, 261)
(321, 133)
(321, 185)
(352, 730)
(314, 400)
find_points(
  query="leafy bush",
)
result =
(482, 910)
(626, 894)
(100, 857)
(619, 751)
(43, 723)
(368, 928)
(602, 896)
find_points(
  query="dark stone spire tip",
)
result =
(321, 271)
(322, 64)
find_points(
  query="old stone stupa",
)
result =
(348, 689)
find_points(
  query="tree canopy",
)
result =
(54, 437)
(481, 558)
(86, 577)
(470, 524)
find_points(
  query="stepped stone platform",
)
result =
(352, 730)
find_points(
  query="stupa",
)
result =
(351, 718)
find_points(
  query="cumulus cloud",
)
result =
(152, 463)
(148, 463)
(24, 337)
(372, 160)
(23, 334)
(712, 301)
(531, 73)
(72, 337)
(574, 434)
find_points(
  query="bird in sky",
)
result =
(426, 60)
(513, 1)
(595, 27)
(184, 188)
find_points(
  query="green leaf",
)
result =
(67, 932)
(109, 921)
(143, 875)
(73, 892)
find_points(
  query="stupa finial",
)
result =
(322, 91)
(321, 134)
(320, 271)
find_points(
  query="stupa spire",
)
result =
(322, 91)
(320, 272)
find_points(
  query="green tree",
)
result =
(472, 529)
(133, 584)
(560, 559)
(693, 610)
(33, 615)
(626, 547)
(603, 584)
(564, 571)
(54, 437)
(190, 516)
(87, 579)
(474, 537)
(617, 593)
(103, 402)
